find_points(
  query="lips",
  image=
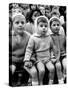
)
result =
(44, 31)
(57, 29)
(20, 28)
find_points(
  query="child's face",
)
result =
(55, 27)
(42, 28)
(33, 7)
(42, 9)
(47, 12)
(19, 24)
(35, 14)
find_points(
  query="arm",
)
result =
(52, 56)
(29, 49)
(55, 54)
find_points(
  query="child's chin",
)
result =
(56, 32)
(43, 34)
(20, 32)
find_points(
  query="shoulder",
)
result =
(61, 31)
(33, 37)
(50, 36)
(62, 37)
(27, 34)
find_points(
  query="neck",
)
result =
(20, 34)
(56, 34)
(42, 35)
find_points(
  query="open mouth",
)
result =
(56, 30)
(44, 31)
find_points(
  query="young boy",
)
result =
(17, 42)
(59, 41)
(39, 44)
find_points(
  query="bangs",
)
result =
(42, 19)
(54, 20)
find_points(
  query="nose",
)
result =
(20, 25)
(43, 27)
(56, 25)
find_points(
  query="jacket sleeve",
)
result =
(29, 49)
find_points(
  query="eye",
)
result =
(17, 22)
(57, 24)
(54, 25)
(22, 22)
(41, 25)
(45, 25)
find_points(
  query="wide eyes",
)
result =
(22, 22)
(55, 24)
(43, 25)
(17, 22)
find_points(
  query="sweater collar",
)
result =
(38, 35)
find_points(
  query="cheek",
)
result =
(58, 27)
(46, 28)
(14, 26)
(39, 29)
(23, 25)
(52, 27)
(34, 18)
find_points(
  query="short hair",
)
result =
(54, 18)
(43, 19)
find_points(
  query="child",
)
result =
(33, 6)
(39, 44)
(47, 11)
(55, 12)
(42, 9)
(59, 40)
(17, 42)
(30, 25)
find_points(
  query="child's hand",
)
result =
(28, 64)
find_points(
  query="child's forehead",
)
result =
(42, 19)
(42, 23)
(19, 18)
(55, 21)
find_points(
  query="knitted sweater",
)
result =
(18, 46)
(40, 46)
(59, 42)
